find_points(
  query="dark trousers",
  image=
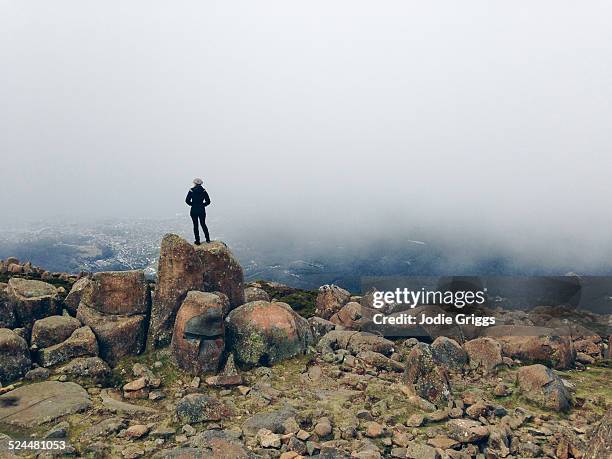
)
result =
(196, 230)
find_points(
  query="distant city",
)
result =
(122, 244)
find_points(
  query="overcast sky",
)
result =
(488, 119)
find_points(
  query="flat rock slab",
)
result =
(39, 403)
(117, 406)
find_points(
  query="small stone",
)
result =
(135, 385)
(373, 429)
(188, 430)
(400, 439)
(132, 452)
(502, 390)
(244, 390)
(323, 429)
(136, 431)
(416, 420)
(302, 435)
(195, 383)
(268, 439)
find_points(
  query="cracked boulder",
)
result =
(198, 340)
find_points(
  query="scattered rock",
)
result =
(600, 440)
(419, 451)
(373, 429)
(199, 408)
(37, 374)
(466, 430)
(88, 367)
(268, 439)
(541, 386)
(228, 377)
(136, 431)
(72, 300)
(274, 421)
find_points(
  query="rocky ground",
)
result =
(75, 369)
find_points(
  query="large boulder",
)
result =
(484, 354)
(534, 345)
(32, 300)
(264, 333)
(117, 292)
(118, 336)
(198, 340)
(540, 385)
(82, 342)
(330, 300)
(184, 267)
(221, 272)
(14, 356)
(425, 377)
(7, 314)
(53, 330)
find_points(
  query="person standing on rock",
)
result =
(198, 199)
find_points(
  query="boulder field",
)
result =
(202, 364)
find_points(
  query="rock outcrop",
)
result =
(32, 300)
(184, 267)
(198, 341)
(330, 300)
(14, 356)
(264, 333)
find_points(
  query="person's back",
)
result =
(198, 199)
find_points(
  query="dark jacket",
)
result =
(198, 199)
